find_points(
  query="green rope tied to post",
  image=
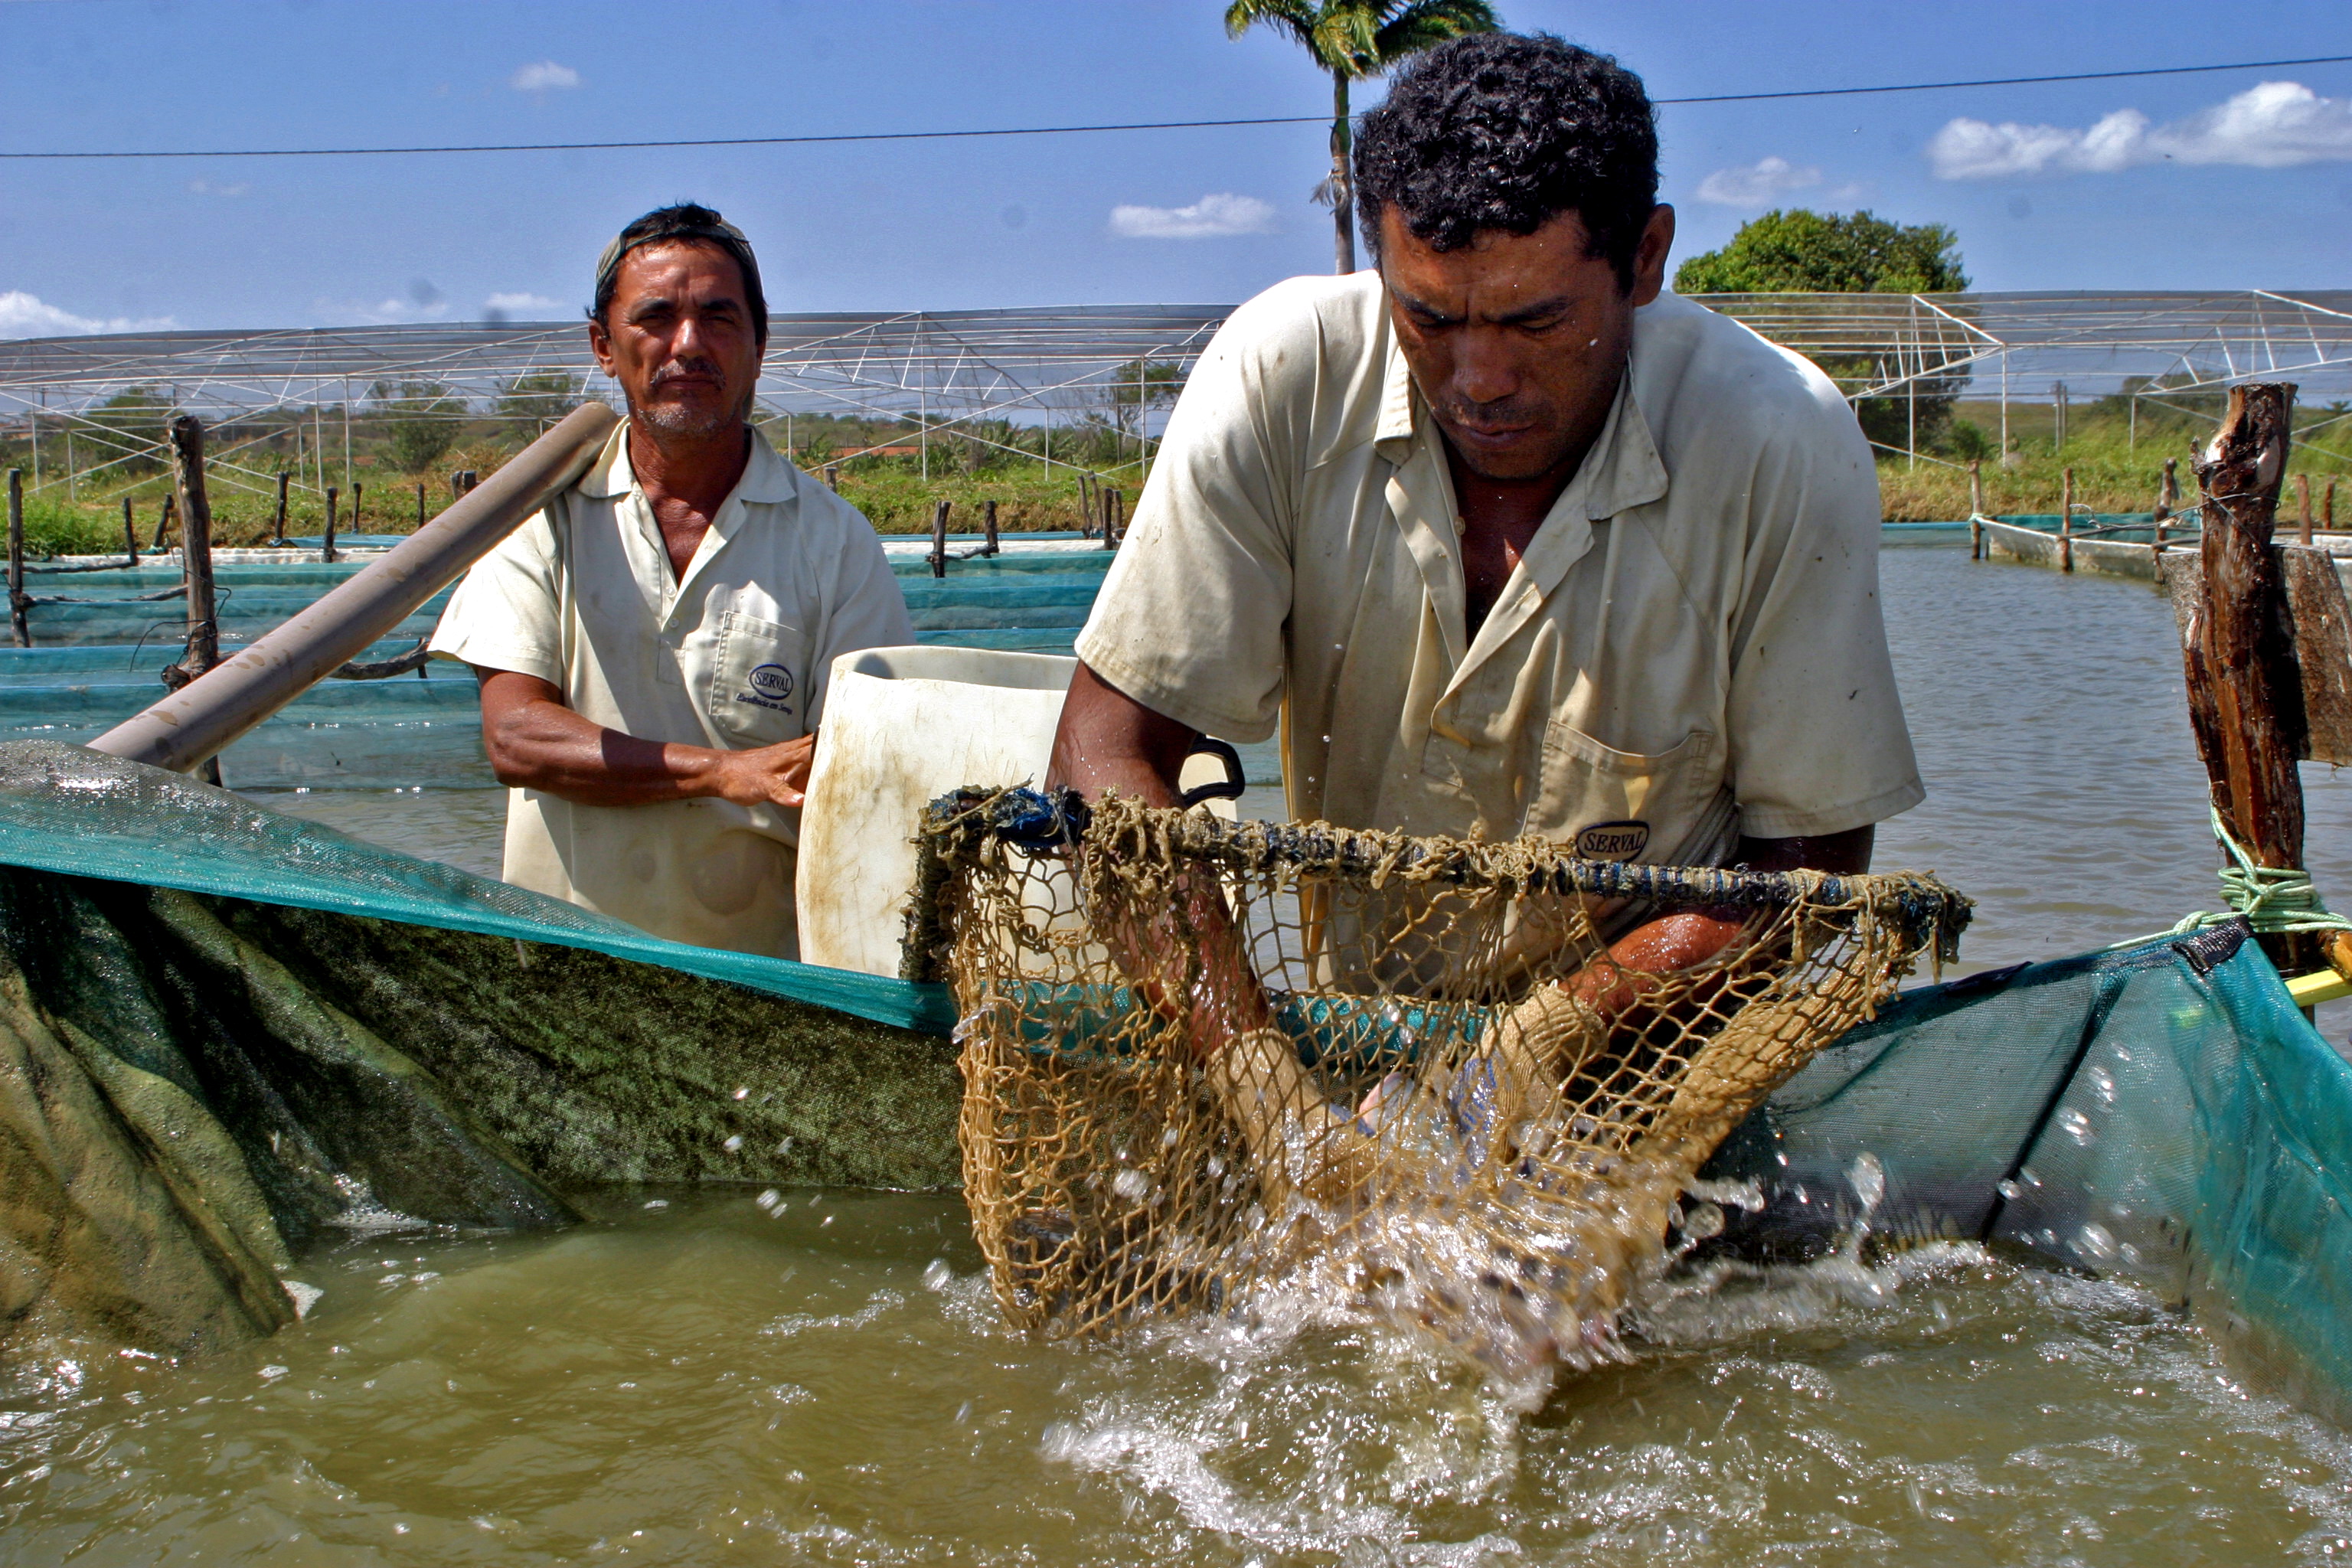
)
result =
(2275, 901)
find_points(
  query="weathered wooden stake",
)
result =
(2327, 514)
(327, 540)
(162, 521)
(1114, 518)
(939, 539)
(833, 478)
(2245, 693)
(2302, 504)
(187, 436)
(277, 528)
(17, 624)
(1976, 510)
(130, 533)
(356, 489)
(988, 526)
(420, 504)
(2066, 524)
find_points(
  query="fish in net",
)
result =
(1202, 1058)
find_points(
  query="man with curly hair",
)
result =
(1507, 539)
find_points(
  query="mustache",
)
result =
(693, 365)
(1506, 411)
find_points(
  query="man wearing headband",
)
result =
(654, 647)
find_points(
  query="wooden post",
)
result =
(2245, 693)
(2327, 515)
(356, 489)
(939, 539)
(2302, 504)
(988, 526)
(162, 521)
(278, 529)
(327, 540)
(1976, 510)
(833, 478)
(2166, 490)
(187, 437)
(1114, 518)
(420, 503)
(17, 624)
(2066, 524)
(130, 533)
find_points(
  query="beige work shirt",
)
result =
(1690, 648)
(736, 655)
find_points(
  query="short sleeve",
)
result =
(865, 605)
(1817, 741)
(505, 613)
(1190, 619)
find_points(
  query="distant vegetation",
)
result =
(1804, 252)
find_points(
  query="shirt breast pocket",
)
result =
(759, 683)
(1618, 805)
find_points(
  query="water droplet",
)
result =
(272, 1374)
(1703, 1221)
(2078, 1127)
(2103, 1084)
(734, 1143)
(2011, 1191)
(1132, 1186)
(1868, 1179)
(2096, 1241)
(742, 1093)
(658, 1203)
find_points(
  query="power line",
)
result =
(1133, 125)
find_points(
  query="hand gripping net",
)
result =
(1202, 1058)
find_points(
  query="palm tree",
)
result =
(1353, 40)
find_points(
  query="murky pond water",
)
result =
(697, 1379)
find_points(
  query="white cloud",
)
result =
(522, 301)
(542, 77)
(206, 188)
(1757, 185)
(1207, 218)
(24, 315)
(2272, 126)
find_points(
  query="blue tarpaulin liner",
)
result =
(65, 809)
(2162, 1112)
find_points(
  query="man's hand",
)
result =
(534, 741)
(1611, 984)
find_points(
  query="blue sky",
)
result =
(2212, 181)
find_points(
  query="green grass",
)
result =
(2113, 471)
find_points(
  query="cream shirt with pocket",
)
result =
(1690, 648)
(734, 656)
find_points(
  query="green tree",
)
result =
(530, 403)
(1803, 252)
(1139, 385)
(127, 431)
(1353, 40)
(422, 420)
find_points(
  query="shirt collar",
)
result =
(766, 477)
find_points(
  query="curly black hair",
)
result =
(1508, 131)
(684, 223)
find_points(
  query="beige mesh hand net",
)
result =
(1202, 1058)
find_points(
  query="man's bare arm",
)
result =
(1106, 740)
(534, 741)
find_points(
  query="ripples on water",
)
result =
(823, 1379)
(702, 1383)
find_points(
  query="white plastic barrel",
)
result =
(902, 727)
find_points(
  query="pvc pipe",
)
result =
(204, 718)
